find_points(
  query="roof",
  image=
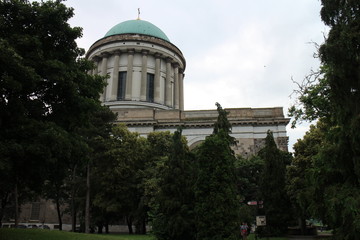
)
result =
(137, 27)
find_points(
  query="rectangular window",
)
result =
(35, 211)
(150, 87)
(121, 86)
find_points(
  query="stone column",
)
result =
(168, 92)
(181, 90)
(143, 75)
(157, 78)
(104, 56)
(115, 76)
(129, 74)
(176, 86)
(96, 61)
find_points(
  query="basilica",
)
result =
(145, 87)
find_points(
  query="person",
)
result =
(244, 230)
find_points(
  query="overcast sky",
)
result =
(238, 53)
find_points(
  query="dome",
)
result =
(137, 27)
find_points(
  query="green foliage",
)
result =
(272, 187)
(174, 216)
(159, 148)
(118, 174)
(298, 181)
(48, 102)
(248, 171)
(336, 172)
(216, 196)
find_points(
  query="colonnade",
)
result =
(168, 92)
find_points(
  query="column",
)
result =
(168, 87)
(176, 86)
(128, 93)
(181, 89)
(104, 56)
(115, 76)
(96, 61)
(143, 75)
(157, 78)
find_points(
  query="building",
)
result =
(146, 89)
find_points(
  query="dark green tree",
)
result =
(272, 187)
(159, 149)
(248, 171)
(174, 217)
(216, 195)
(336, 175)
(298, 180)
(119, 175)
(46, 94)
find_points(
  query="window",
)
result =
(150, 87)
(121, 86)
(35, 211)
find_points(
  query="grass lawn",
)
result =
(40, 234)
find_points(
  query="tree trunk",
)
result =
(107, 228)
(100, 228)
(4, 202)
(73, 209)
(16, 196)
(129, 224)
(87, 206)
(303, 225)
(58, 212)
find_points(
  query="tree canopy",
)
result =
(335, 98)
(47, 98)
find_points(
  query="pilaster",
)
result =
(129, 75)
(157, 79)
(115, 76)
(143, 75)
(168, 83)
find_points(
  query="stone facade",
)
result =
(249, 125)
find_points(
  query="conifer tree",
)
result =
(174, 218)
(216, 198)
(272, 187)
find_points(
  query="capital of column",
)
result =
(168, 60)
(96, 58)
(145, 52)
(105, 54)
(116, 52)
(131, 51)
(157, 55)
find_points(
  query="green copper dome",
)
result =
(137, 27)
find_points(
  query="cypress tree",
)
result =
(216, 199)
(174, 219)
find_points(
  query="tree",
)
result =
(248, 171)
(272, 187)
(298, 182)
(216, 196)
(46, 92)
(174, 217)
(119, 175)
(158, 151)
(336, 173)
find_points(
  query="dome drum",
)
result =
(144, 69)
